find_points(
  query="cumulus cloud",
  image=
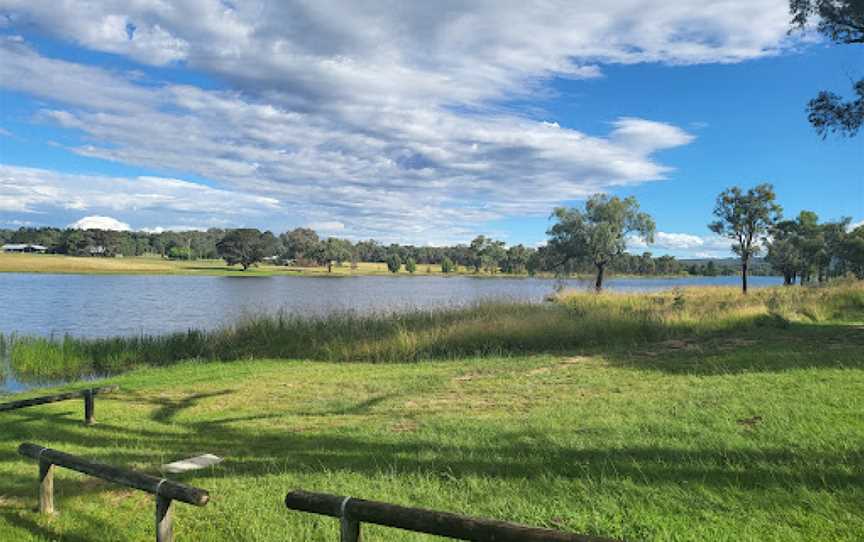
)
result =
(40, 191)
(393, 122)
(97, 222)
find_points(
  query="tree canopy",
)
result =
(245, 246)
(597, 233)
(746, 218)
(841, 21)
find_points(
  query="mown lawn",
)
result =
(643, 442)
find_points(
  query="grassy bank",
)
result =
(755, 435)
(152, 265)
(576, 320)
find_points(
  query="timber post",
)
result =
(166, 491)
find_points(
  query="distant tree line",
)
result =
(590, 239)
(305, 248)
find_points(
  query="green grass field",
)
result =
(737, 424)
(151, 265)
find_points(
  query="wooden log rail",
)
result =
(352, 512)
(89, 396)
(166, 491)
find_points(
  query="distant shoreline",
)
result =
(148, 265)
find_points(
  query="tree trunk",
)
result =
(329, 266)
(744, 264)
(598, 284)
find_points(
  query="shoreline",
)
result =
(55, 264)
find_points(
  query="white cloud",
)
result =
(327, 227)
(855, 225)
(683, 245)
(97, 222)
(391, 122)
(32, 190)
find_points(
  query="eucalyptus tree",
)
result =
(746, 218)
(598, 232)
(841, 21)
(784, 250)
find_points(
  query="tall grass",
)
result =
(573, 320)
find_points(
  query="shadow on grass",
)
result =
(251, 452)
(767, 349)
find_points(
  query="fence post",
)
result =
(349, 529)
(164, 519)
(46, 487)
(89, 407)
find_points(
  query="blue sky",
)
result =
(420, 125)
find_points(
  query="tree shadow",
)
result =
(251, 452)
(792, 347)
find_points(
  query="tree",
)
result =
(447, 265)
(301, 245)
(784, 252)
(394, 262)
(841, 21)
(516, 259)
(597, 234)
(245, 246)
(411, 265)
(853, 251)
(486, 254)
(746, 218)
(334, 249)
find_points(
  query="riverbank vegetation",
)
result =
(574, 320)
(754, 435)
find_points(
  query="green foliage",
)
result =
(841, 21)
(852, 250)
(597, 234)
(394, 263)
(447, 265)
(245, 246)
(410, 265)
(301, 245)
(746, 218)
(804, 248)
(179, 253)
(486, 254)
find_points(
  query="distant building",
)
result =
(22, 247)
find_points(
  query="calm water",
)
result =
(94, 306)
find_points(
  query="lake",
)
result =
(108, 305)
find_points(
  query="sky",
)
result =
(413, 122)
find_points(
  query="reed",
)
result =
(571, 320)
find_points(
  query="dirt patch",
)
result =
(563, 364)
(404, 426)
(469, 377)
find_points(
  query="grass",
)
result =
(154, 265)
(576, 320)
(655, 442)
(689, 415)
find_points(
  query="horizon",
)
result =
(411, 125)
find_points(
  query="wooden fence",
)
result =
(352, 512)
(89, 396)
(166, 491)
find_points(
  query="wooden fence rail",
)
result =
(89, 396)
(166, 491)
(352, 512)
